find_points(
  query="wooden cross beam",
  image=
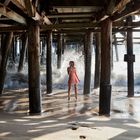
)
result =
(30, 9)
(6, 2)
(112, 9)
(69, 26)
(11, 14)
(131, 8)
(20, 4)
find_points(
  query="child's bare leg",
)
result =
(75, 87)
(69, 87)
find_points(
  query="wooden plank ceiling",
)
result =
(64, 14)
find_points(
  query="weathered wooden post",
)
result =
(59, 51)
(105, 86)
(63, 45)
(97, 60)
(130, 58)
(34, 67)
(43, 51)
(116, 48)
(0, 49)
(6, 46)
(22, 52)
(88, 56)
(49, 62)
(14, 49)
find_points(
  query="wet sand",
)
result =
(69, 120)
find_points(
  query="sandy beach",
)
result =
(68, 120)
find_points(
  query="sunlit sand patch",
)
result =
(21, 120)
(100, 133)
(34, 130)
(64, 117)
(134, 125)
(30, 124)
(99, 118)
(52, 125)
(3, 122)
(4, 134)
(137, 138)
(49, 121)
(109, 132)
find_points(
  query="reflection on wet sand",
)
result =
(17, 102)
(71, 119)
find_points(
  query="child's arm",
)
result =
(76, 75)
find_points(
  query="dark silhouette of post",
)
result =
(106, 53)
(116, 48)
(34, 67)
(49, 62)
(97, 60)
(22, 52)
(130, 58)
(59, 51)
(6, 47)
(88, 56)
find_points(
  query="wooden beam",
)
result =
(11, 14)
(72, 27)
(69, 26)
(6, 2)
(13, 28)
(111, 6)
(120, 6)
(20, 4)
(75, 3)
(73, 15)
(130, 9)
(30, 9)
(43, 19)
(104, 14)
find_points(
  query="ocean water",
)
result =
(60, 76)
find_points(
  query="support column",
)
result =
(0, 49)
(34, 67)
(116, 48)
(97, 60)
(130, 58)
(105, 86)
(14, 49)
(49, 62)
(63, 45)
(43, 51)
(22, 52)
(6, 47)
(59, 51)
(88, 56)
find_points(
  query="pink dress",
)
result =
(73, 79)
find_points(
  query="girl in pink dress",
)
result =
(73, 78)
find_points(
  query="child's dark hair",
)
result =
(71, 63)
